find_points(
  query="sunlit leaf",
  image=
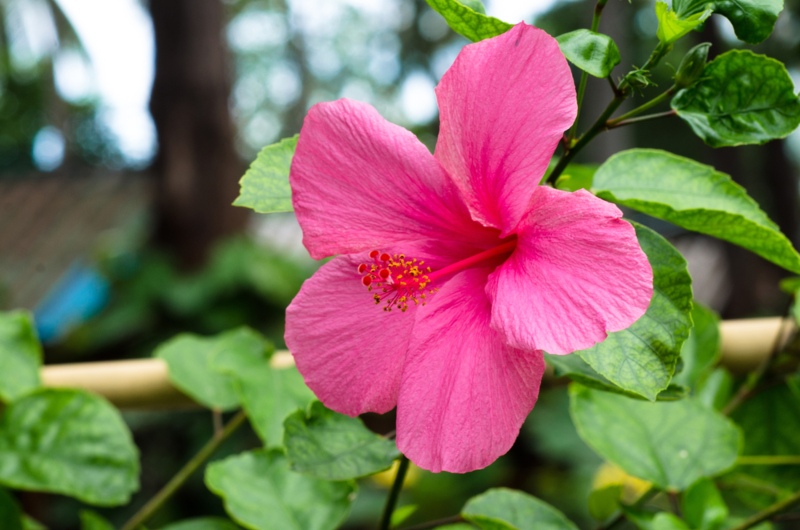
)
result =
(672, 27)
(265, 186)
(752, 20)
(20, 355)
(742, 98)
(467, 21)
(669, 444)
(262, 493)
(69, 442)
(642, 358)
(507, 509)
(592, 52)
(694, 196)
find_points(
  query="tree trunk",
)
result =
(197, 168)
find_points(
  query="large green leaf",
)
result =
(265, 186)
(332, 446)
(10, 514)
(267, 394)
(701, 351)
(70, 442)
(642, 358)
(507, 509)
(694, 196)
(467, 22)
(592, 52)
(672, 27)
(203, 523)
(703, 506)
(189, 358)
(752, 20)
(262, 493)
(20, 355)
(669, 444)
(742, 98)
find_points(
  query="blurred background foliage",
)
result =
(231, 77)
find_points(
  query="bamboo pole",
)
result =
(144, 383)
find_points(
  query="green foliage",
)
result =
(10, 514)
(715, 391)
(332, 446)
(93, 521)
(262, 493)
(742, 98)
(604, 502)
(203, 523)
(592, 52)
(268, 394)
(694, 196)
(642, 358)
(265, 186)
(69, 442)
(189, 359)
(669, 444)
(672, 27)
(506, 509)
(20, 355)
(646, 520)
(701, 351)
(753, 20)
(703, 506)
(692, 65)
(467, 21)
(576, 177)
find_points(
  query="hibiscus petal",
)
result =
(464, 394)
(360, 182)
(503, 106)
(577, 273)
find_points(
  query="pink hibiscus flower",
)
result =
(455, 270)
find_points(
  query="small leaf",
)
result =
(703, 506)
(604, 502)
(203, 523)
(694, 196)
(753, 20)
(672, 27)
(401, 514)
(268, 394)
(265, 186)
(503, 508)
(701, 351)
(645, 520)
(468, 22)
(592, 52)
(94, 521)
(576, 177)
(332, 446)
(669, 444)
(260, 492)
(715, 391)
(20, 355)
(69, 442)
(742, 98)
(10, 514)
(189, 358)
(642, 358)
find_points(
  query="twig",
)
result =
(394, 494)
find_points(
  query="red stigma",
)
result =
(396, 280)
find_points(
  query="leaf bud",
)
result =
(692, 65)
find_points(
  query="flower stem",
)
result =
(768, 460)
(154, 504)
(436, 523)
(645, 106)
(646, 117)
(769, 512)
(394, 494)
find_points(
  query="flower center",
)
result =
(399, 281)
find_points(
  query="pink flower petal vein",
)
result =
(454, 271)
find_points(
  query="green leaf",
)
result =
(29, 523)
(669, 444)
(401, 514)
(468, 22)
(507, 509)
(742, 98)
(189, 358)
(578, 370)
(576, 177)
(94, 521)
(261, 493)
(604, 502)
(203, 523)
(20, 355)
(10, 514)
(753, 20)
(69, 442)
(646, 520)
(332, 446)
(715, 391)
(694, 196)
(592, 52)
(703, 506)
(701, 351)
(642, 358)
(265, 186)
(672, 27)
(268, 394)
